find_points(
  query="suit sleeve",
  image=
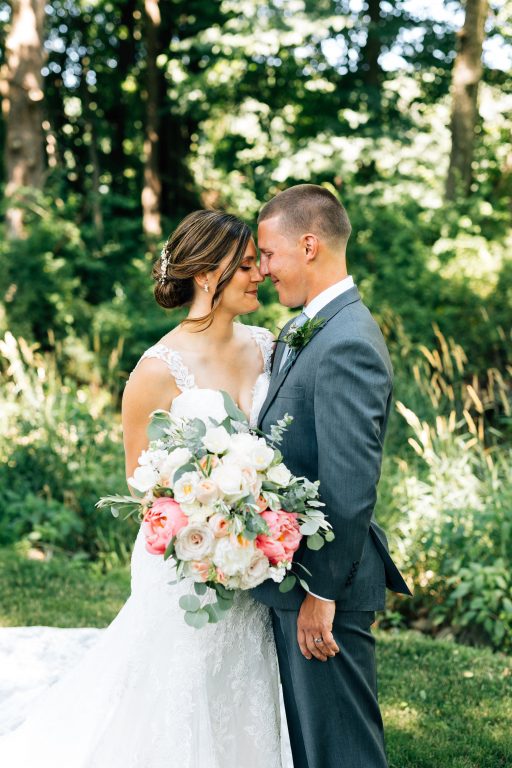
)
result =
(351, 399)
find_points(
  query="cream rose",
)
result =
(206, 491)
(195, 542)
(257, 571)
(219, 525)
(172, 462)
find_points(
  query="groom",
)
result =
(337, 386)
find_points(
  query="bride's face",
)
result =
(240, 296)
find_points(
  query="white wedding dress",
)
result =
(153, 692)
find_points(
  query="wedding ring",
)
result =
(318, 639)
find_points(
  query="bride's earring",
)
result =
(206, 288)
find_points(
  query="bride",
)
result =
(153, 692)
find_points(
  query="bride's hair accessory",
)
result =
(164, 261)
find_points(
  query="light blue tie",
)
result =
(297, 323)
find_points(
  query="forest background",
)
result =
(121, 116)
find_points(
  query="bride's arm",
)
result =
(149, 388)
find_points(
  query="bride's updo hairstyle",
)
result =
(197, 245)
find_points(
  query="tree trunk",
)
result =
(467, 72)
(152, 190)
(369, 66)
(22, 92)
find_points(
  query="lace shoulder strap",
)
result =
(184, 379)
(265, 341)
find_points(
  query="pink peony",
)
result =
(284, 538)
(163, 520)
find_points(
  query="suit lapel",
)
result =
(279, 377)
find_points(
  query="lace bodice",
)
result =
(185, 379)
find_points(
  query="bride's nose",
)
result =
(257, 277)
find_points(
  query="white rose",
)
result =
(243, 442)
(233, 557)
(261, 455)
(204, 404)
(185, 487)
(257, 571)
(229, 479)
(152, 458)
(216, 440)
(280, 475)
(143, 478)
(194, 542)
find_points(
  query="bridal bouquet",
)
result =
(216, 498)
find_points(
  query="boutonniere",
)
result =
(299, 337)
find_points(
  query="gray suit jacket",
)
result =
(339, 392)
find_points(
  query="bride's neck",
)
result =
(219, 332)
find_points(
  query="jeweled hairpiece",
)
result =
(164, 260)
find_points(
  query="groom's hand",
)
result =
(315, 621)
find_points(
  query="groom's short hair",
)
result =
(309, 208)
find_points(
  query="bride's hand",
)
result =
(315, 621)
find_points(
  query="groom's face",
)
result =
(283, 260)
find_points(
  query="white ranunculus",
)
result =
(185, 487)
(277, 574)
(196, 513)
(257, 571)
(216, 440)
(229, 479)
(261, 455)
(233, 557)
(153, 458)
(204, 404)
(280, 475)
(143, 478)
(173, 461)
(194, 542)
(243, 442)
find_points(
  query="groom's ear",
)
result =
(310, 244)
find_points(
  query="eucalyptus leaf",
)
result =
(213, 614)
(200, 588)
(309, 527)
(223, 604)
(170, 548)
(190, 603)
(198, 619)
(329, 536)
(232, 410)
(158, 424)
(227, 594)
(315, 542)
(288, 583)
(182, 470)
(304, 585)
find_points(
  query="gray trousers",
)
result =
(332, 711)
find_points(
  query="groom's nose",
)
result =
(264, 266)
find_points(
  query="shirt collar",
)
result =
(324, 298)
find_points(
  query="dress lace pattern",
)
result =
(154, 692)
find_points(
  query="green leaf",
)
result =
(221, 590)
(182, 470)
(309, 528)
(190, 603)
(224, 604)
(198, 619)
(170, 548)
(200, 588)
(304, 585)
(329, 536)
(158, 424)
(214, 615)
(288, 583)
(315, 542)
(232, 410)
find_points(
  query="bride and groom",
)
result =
(155, 693)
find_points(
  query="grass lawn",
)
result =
(444, 705)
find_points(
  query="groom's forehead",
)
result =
(268, 230)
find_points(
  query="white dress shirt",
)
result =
(311, 309)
